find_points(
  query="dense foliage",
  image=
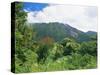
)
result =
(48, 54)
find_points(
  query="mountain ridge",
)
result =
(60, 31)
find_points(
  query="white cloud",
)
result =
(82, 18)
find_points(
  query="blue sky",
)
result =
(34, 6)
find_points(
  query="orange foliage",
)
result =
(47, 40)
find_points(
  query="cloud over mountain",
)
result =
(80, 17)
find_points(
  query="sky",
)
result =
(83, 18)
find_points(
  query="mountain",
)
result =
(91, 33)
(59, 31)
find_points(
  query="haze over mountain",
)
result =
(59, 31)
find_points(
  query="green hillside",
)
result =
(59, 31)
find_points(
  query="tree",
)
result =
(19, 23)
(24, 36)
(56, 52)
(70, 46)
(89, 48)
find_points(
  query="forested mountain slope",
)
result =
(59, 31)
